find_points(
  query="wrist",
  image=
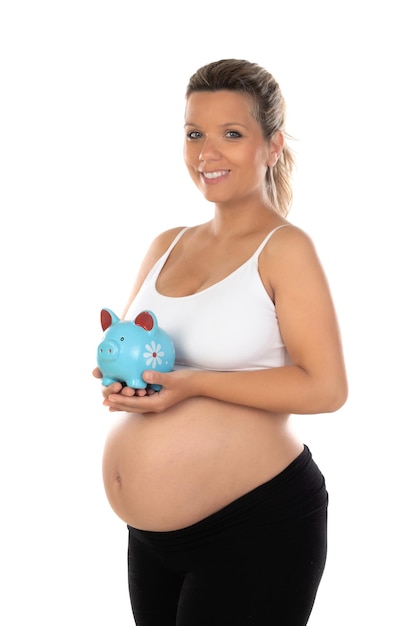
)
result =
(196, 382)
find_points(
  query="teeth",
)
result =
(215, 174)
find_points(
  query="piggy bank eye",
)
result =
(122, 338)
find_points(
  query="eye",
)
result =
(194, 134)
(122, 338)
(233, 134)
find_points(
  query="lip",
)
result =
(214, 177)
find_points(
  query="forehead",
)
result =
(222, 106)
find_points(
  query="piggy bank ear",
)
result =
(107, 318)
(146, 320)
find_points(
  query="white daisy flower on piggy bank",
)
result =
(154, 354)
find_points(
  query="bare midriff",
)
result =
(166, 471)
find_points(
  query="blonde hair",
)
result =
(269, 110)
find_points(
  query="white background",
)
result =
(92, 100)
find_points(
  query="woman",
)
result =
(225, 507)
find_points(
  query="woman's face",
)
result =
(224, 148)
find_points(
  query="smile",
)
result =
(212, 175)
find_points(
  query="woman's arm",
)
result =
(315, 382)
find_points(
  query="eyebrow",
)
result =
(225, 125)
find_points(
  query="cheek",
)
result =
(191, 165)
(190, 153)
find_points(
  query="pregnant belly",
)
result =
(167, 471)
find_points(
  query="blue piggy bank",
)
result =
(129, 348)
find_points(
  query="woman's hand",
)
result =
(176, 386)
(118, 388)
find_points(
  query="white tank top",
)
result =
(231, 325)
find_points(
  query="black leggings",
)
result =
(258, 561)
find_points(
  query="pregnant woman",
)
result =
(226, 509)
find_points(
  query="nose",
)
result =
(210, 150)
(108, 350)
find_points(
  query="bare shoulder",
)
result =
(162, 241)
(289, 243)
(158, 247)
(290, 261)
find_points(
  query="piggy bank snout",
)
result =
(108, 350)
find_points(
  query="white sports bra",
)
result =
(231, 325)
